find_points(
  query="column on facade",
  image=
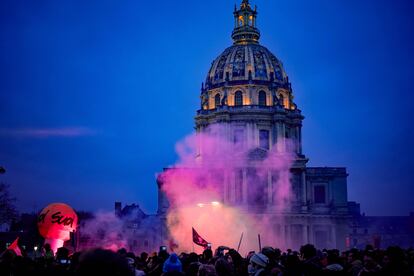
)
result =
(250, 95)
(281, 142)
(269, 189)
(249, 135)
(226, 188)
(288, 240)
(244, 194)
(311, 234)
(297, 150)
(275, 135)
(255, 135)
(305, 233)
(333, 242)
(232, 183)
(303, 182)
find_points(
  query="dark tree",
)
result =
(8, 211)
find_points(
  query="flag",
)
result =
(197, 239)
(15, 247)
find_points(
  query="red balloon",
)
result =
(56, 221)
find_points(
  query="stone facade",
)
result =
(248, 94)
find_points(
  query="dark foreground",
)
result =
(224, 261)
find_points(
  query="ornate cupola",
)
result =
(245, 30)
(248, 92)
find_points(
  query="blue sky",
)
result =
(94, 95)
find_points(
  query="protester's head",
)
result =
(257, 261)
(323, 259)
(8, 256)
(223, 267)
(62, 254)
(144, 256)
(122, 252)
(369, 260)
(235, 256)
(163, 255)
(206, 270)
(47, 247)
(308, 251)
(292, 261)
(102, 262)
(269, 252)
(278, 252)
(130, 258)
(172, 264)
(207, 254)
(192, 257)
(192, 269)
(333, 257)
(353, 255)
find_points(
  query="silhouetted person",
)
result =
(310, 264)
(101, 262)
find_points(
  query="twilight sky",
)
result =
(95, 94)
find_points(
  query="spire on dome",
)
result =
(245, 30)
(245, 3)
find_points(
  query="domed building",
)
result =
(248, 92)
(248, 88)
(248, 81)
(248, 96)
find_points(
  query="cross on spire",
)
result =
(245, 4)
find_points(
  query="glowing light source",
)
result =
(55, 222)
(201, 205)
(215, 203)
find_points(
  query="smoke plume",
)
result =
(221, 213)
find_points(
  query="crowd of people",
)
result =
(223, 262)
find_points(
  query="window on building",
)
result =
(281, 100)
(264, 139)
(257, 190)
(319, 194)
(238, 136)
(239, 186)
(277, 230)
(217, 100)
(238, 98)
(297, 234)
(321, 238)
(262, 98)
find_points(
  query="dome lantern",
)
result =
(245, 30)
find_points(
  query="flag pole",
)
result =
(241, 238)
(260, 243)
(192, 237)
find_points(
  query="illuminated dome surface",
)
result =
(244, 62)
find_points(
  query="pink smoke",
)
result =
(194, 188)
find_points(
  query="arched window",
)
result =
(281, 100)
(238, 98)
(217, 100)
(264, 139)
(262, 98)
